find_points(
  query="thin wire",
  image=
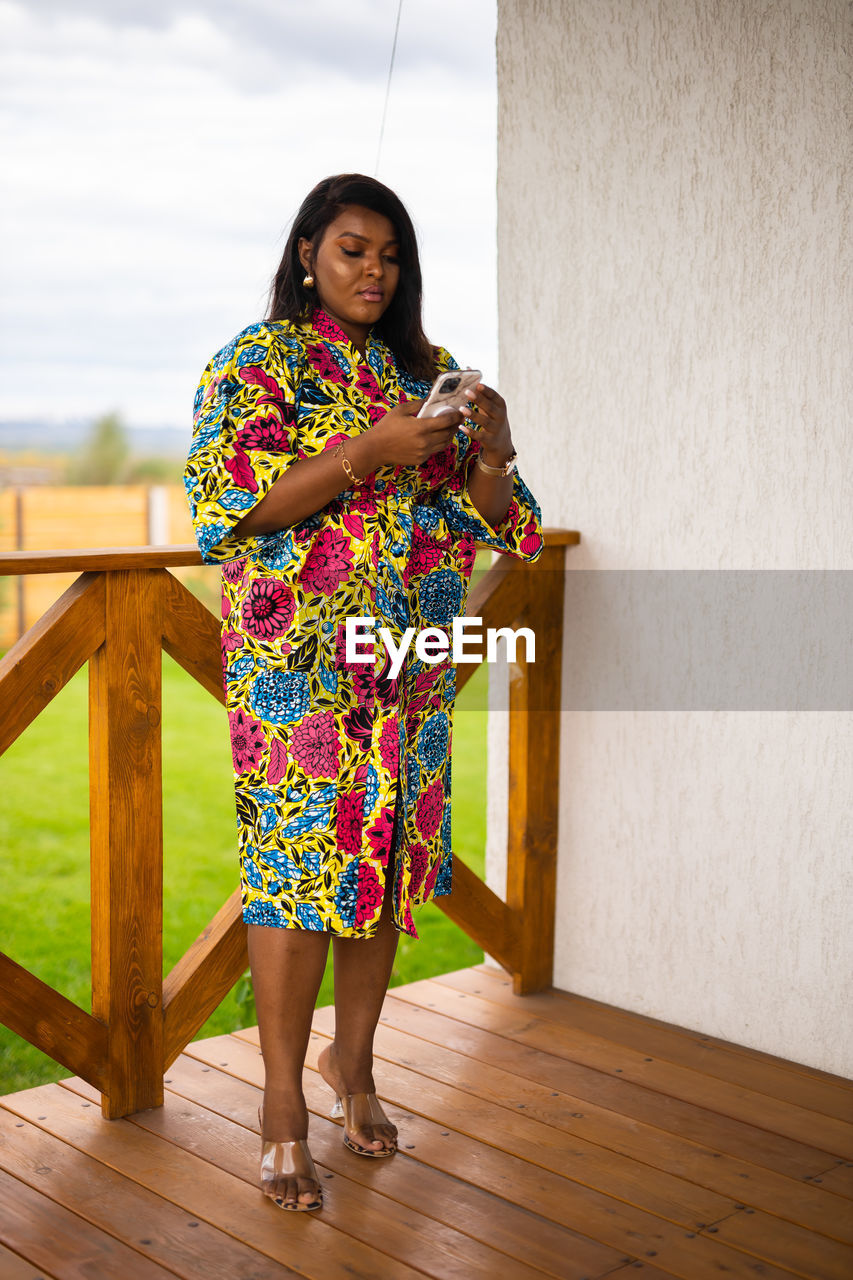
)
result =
(388, 88)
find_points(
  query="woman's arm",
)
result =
(307, 486)
(398, 439)
(490, 494)
(488, 423)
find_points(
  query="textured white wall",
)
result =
(674, 275)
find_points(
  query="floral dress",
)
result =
(322, 747)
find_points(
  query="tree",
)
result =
(104, 457)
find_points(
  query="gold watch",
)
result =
(506, 470)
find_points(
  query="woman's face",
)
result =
(355, 268)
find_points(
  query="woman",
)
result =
(324, 498)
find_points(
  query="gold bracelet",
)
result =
(345, 463)
(506, 470)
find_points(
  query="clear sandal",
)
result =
(360, 1111)
(287, 1160)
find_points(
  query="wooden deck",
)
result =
(539, 1135)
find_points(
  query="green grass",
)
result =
(44, 835)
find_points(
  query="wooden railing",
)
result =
(117, 616)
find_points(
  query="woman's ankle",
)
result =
(284, 1114)
(353, 1074)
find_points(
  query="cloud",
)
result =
(149, 185)
(295, 38)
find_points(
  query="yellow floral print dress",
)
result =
(322, 747)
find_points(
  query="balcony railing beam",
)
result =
(534, 772)
(126, 805)
(191, 635)
(202, 978)
(480, 913)
(52, 1022)
(121, 615)
(46, 657)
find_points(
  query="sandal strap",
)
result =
(361, 1110)
(287, 1159)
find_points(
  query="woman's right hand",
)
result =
(403, 439)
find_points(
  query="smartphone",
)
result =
(451, 390)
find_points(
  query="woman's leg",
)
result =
(287, 969)
(362, 973)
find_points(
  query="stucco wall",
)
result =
(674, 275)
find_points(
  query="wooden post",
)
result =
(20, 581)
(534, 774)
(125, 789)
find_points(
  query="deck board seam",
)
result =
(793, 1072)
(385, 1194)
(209, 1220)
(615, 1150)
(629, 1016)
(169, 1206)
(632, 1084)
(249, 1180)
(473, 1138)
(93, 1229)
(46, 1275)
(482, 1191)
(666, 1090)
(699, 1230)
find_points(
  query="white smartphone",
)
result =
(451, 390)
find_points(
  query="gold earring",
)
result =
(308, 282)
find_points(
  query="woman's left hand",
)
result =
(488, 423)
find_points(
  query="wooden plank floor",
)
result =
(540, 1136)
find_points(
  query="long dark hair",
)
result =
(401, 327)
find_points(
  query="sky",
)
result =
(155, 152)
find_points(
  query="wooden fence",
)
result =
(124, 608)
(38, 517)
